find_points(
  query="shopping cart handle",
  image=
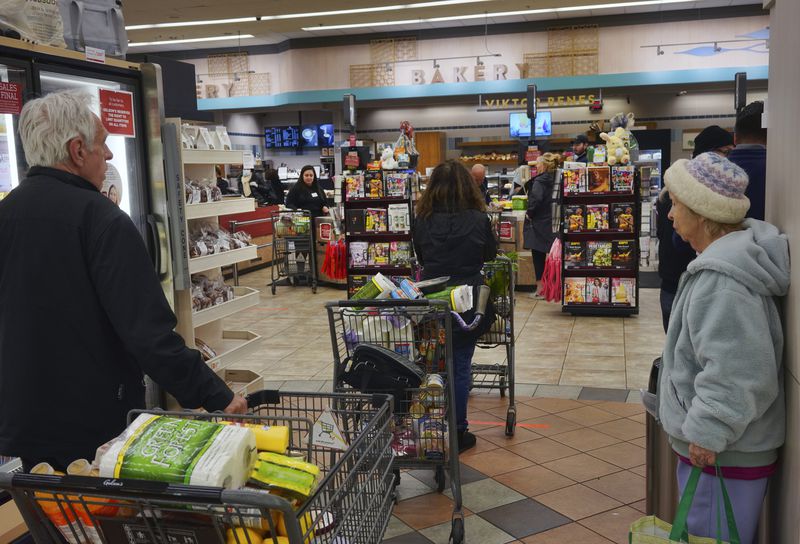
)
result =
(384, 303)
(265, 396)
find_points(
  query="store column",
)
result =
(783, 197)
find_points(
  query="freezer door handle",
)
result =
(158, 246)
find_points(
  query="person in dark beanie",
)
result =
(579, 146)
(674, 255)
(751, 155)
(713, 138)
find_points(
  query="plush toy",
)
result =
(617, 146)
(626, 122)
(387, 159)
(622, 120)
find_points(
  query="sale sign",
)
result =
(10, 98)
(116, 112)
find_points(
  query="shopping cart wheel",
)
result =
(511, 421)
(440, 478)
(457, 532)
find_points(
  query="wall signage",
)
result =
(549, 102)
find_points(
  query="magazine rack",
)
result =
(378, 210)
(600, 211)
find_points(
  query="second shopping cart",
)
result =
(413, 339)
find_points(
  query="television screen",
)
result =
(281, 137)
(325, 135)
(519, 126)
(309, 136)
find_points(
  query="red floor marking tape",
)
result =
(502, 424)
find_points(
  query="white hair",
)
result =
(46, 125)
(479, 168)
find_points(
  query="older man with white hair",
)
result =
(83, 316)
(479, 175)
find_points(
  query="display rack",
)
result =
(599, 254)
(207, 324)
(358, 203)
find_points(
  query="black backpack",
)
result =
(375, 369)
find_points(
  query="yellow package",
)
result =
(273, 438)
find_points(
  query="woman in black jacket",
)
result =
(453, 237)
(538, 232)
(306, 194)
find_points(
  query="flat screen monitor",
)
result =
(519, 126)
(309, 136)
(281, 137)
(325, 135)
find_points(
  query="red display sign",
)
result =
(351, 159)
(506, 230)
(116, 112)
(325, 232)
(10, 98)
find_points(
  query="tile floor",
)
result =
(552, 348)
(574, 470)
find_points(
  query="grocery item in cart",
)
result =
(182, 451)
(290, 474)
(274, 438)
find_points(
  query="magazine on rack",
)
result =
(597, 290)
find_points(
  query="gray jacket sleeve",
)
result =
(738, 382)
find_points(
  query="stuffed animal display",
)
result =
(617, 146)
(388, 161)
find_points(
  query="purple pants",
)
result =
(747, 496)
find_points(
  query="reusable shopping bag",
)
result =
(550, 284)
(651, 530)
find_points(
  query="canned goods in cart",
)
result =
(434, 381)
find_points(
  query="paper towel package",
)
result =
(181, 451)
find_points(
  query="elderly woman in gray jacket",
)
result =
(721, 394)
(538, 233)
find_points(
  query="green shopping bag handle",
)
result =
(680, 531)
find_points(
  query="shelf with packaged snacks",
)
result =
(231, 347)
(211, 156)
(226, 206)
(243, 298)
(225, 258)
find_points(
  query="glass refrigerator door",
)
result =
(11, 170)
(125, 178)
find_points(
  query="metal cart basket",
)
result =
(499, 276)
(424, 422)
(293, 251)
(352, 502)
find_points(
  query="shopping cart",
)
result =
(352, 503)
(499, 276)
(424, 422)
(293, 251)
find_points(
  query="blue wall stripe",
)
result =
(400, 92)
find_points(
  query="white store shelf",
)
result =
(242, 382)
(207, 262)
(243, 298)
(208, 156)
(235, 345)
(223, 207)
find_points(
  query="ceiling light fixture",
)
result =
(499, 14)
(396, 7)
(713, 44)
(190, 40)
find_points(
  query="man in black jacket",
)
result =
(83, 316)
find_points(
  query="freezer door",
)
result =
(116, 101)
(14, 85)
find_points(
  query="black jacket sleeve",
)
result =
(300, 198)
(490, 248)
(131, 295)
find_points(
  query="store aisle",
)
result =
(552, 348)
(574, 472)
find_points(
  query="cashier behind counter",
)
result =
(307, 194)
